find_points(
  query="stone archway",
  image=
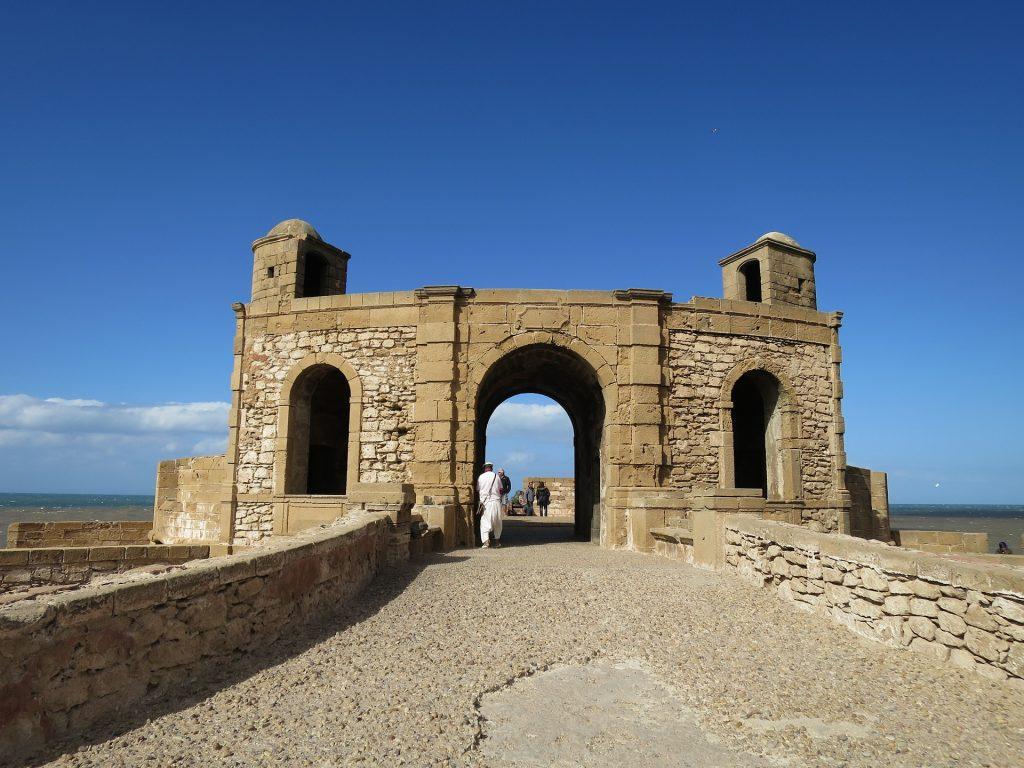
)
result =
(571, 381)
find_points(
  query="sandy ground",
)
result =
(554, 652)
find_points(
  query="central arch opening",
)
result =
(570, 381)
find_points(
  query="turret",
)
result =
(776, 269)
(292, 262)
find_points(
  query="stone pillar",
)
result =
(838, 431)
(230, 501)
(434, 416)
(637, 445)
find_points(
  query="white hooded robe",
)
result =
(488, 485)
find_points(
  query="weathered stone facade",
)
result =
(381, 400)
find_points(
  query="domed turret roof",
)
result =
(780, 238)
(294, 228)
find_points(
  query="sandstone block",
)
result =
(795, 557)
(984, 644)
(952, 623)
(947, 639)
(863, 608)
(925, 589)
(832, 575)
(869, 595)
(921, 607)
(1010, 610)
(896, 605)
(1015, 660)
(873, 580)
(976, 616)
(837, 594)
(921, 627)
(953, 605)
(963, 658)
(935, 650)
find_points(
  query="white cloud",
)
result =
(61, 416)
(531, 421)
(59, 444)
(210, 446)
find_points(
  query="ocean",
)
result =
(1002, 522)
(42, 507)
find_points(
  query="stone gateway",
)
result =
(379, 402)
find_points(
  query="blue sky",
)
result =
(589, 145)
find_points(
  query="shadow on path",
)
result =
(535, 531)
(216, 673)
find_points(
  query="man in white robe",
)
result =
(488, 486)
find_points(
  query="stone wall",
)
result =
(869, 494)
(563, 489)
(193, 499)
(384, 361)
(942, 542)
(24, 568)
(968, 614)
(87, 533)
(699, 364)
(75, 659)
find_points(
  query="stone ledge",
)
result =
(673, 534)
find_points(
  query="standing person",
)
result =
(506, 488)
(543, 498)
(488, 486)
(528, 498)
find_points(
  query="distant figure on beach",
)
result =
(506, 488)
(488, 486)
(543, 498)
(528, 498)
(1003, 549)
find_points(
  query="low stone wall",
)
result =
(74, 659)
(87, 533)
(193, 499)
(869, 494)
(563, 494)
(941, 542)
(966, 613)
(25, 568)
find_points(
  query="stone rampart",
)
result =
(193, 499)
(79, 533)
(563, 490)
(965, 613)
(74, 659)
(942, 542)
(46, 566)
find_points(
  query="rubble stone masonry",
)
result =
(963, 613)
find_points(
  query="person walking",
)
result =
(506, 488)
(528, 498)
(543, 498)
(488, 486)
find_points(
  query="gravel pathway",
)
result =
(399, 677)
